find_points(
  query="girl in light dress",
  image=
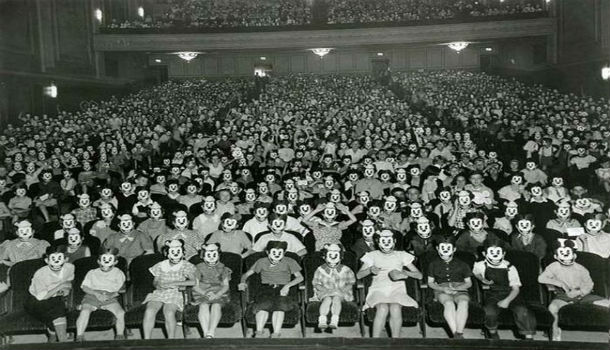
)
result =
(387, 292)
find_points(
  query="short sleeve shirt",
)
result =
(452, 271)
(279, 273)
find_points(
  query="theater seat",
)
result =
(434, 310)
(99, 319)
(588, 316)
(15, 320)
(231, 311)
(350, 310)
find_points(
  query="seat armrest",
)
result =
(5, 302)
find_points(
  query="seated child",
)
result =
(169, 275)
(594, 240)
(211, 289)
(50, 285)
(76, 248)
(332, 283)
(21, 204)
(572, 279)
(24, 247)
(503, 293)
(102, 287)
(526, 239)
(450, 279)
(387, 292)
(273, 295)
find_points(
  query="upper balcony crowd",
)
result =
(177, 16)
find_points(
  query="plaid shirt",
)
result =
(84, 215)
(337, 281)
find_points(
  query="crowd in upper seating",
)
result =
(317, 181)
(224, 14)
(385, 11)
(272, 13)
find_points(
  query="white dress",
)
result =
(383, 290)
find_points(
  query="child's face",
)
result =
(25, 233)
(386, 243)
(275, 255)
(56, 261)
(565, 255)
(277, 225)
(107, 261)
(333, 255)
(593, 225)
(494, 255)
(445, 250)
(126, 225)
(75, 239)
(175, 254)
(524, 226)
(211, 254)
(423, 228)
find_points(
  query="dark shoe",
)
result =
(119, 337)
(81, 338)
(494, 335)
(458, 336)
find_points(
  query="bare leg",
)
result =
(83, 320)
(119, 314)
(215, 315)
(204, 317)
(324, 310)
(152, 308)
(461, 316)
(450, 315)
(395, 319)
(554, 308)
(261, 320)
(336, 310)
(61, 325)
(381, 316)
(277, 321)
(169, 311)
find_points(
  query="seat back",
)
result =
(528, 266)
(21, 277)
(141, 278)
(598, 269)
(84, 265)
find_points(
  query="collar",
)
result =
(541, 200)
(329, 269)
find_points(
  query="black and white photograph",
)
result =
(305, 174)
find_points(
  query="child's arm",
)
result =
(546, 277)
(223, 290)
(504, 303)
(242, 284)
(298, 278)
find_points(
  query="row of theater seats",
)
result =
(14, 320)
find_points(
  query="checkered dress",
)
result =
(165, 272)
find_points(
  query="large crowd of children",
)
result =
(311, 166)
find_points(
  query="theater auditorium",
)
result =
(298, 174)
